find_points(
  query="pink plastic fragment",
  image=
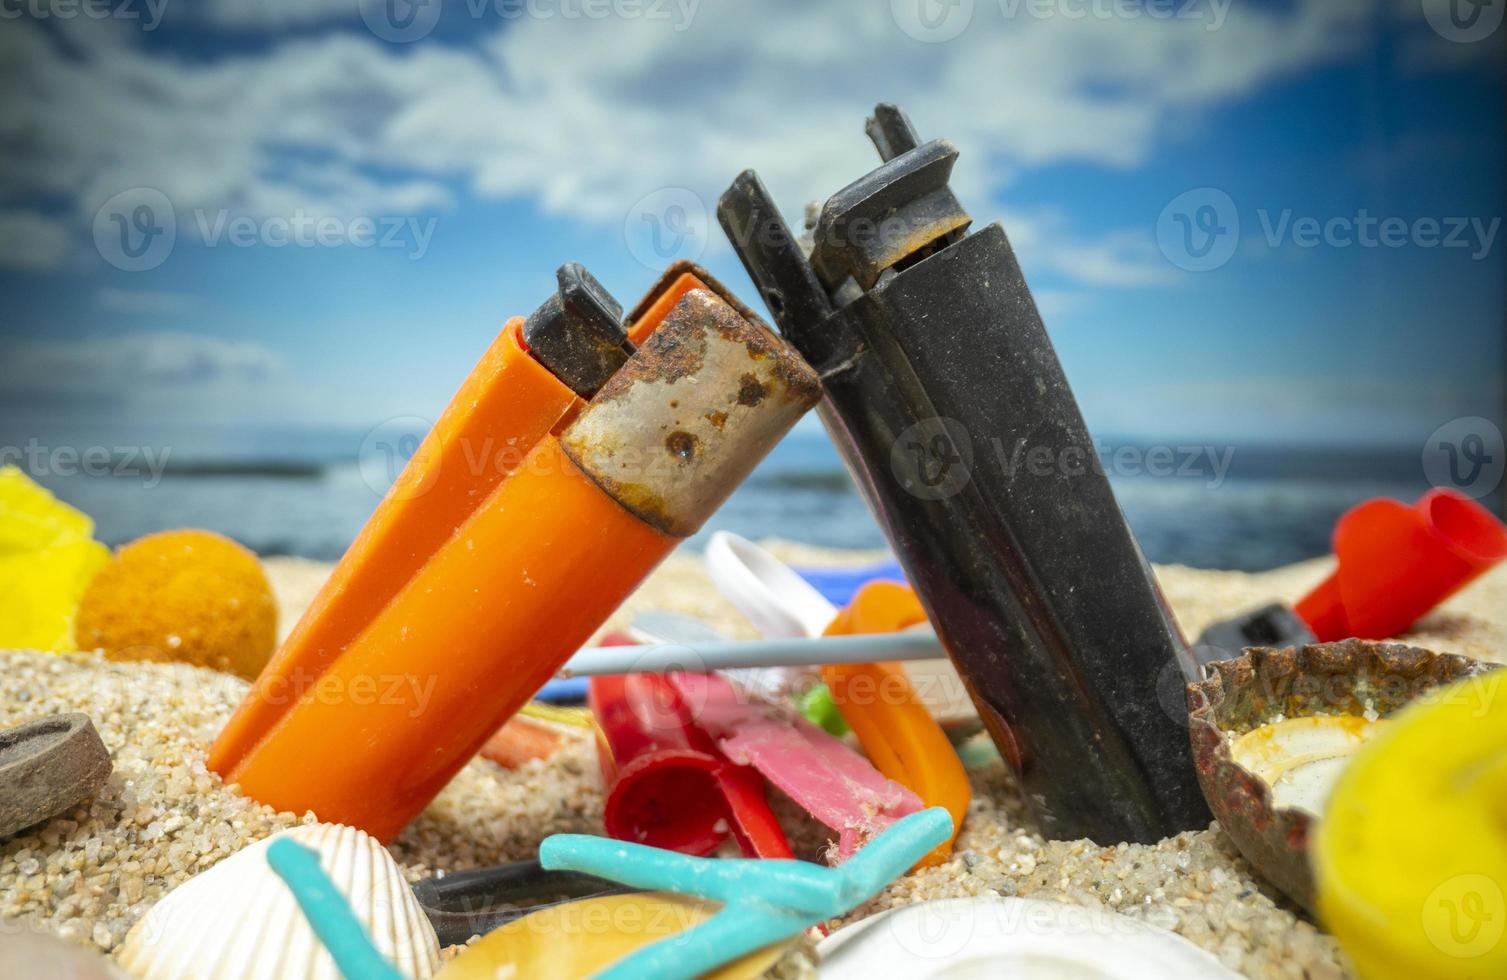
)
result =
(830, 781)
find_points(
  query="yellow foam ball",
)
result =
(189, 596)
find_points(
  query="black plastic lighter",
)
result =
(948, 402)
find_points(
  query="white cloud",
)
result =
(1054, 303)
(157, 377)
(1047, 243)
(135, 361)
(31, 241)
(586, 116)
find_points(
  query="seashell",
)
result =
(1010, 937)
(239, 920)
(1315, 703)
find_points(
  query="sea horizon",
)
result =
(306, 492)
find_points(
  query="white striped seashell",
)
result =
(239, 920)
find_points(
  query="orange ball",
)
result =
(188, 596)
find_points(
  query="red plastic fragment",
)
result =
(667, 784)
(1398, 562)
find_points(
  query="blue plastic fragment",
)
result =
(569, 690)
(764, 901)
(839, 585)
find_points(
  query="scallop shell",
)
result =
(239, 920)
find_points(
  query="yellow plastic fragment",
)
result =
(48, 555)
(1410, 858)
(579, 939)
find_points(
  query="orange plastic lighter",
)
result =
(880, 704)
(467, 589)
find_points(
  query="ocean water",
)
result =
(307, 494)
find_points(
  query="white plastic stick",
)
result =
(658, 658)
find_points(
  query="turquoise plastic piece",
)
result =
(328, 913)
(763, 901)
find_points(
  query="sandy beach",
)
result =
(89, 874)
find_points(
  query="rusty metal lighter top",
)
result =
(467, 590)
(939, 378)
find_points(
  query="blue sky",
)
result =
(509, 139)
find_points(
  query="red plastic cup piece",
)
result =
(667, 784)
(1398, 562)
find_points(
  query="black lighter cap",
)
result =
(578, 333)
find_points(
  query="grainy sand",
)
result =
(90, 873)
